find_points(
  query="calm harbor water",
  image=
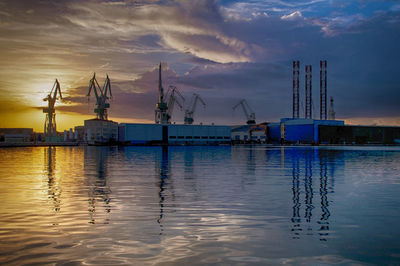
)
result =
(237, 205)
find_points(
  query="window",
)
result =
(181, 137)
(172, 137)
(189, 137)
(204, 137)
(219, 137)
(227, 137)
(212, 137)
(196, 137)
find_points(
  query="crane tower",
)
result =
(161, 112)
(101, 96)
(250, 115)
(50, 123)
(189, 112)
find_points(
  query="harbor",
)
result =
(289, 131)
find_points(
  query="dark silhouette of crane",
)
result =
(189, 112)
(50, 123)
(101, 96)
(250, 115)
(174, 96)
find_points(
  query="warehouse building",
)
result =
(143, 134)
(350, 134)
(99, 131)
(292, 131)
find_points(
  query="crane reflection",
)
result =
(54, 192)
(163, 174)
(96, 171)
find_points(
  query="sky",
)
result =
(222, 50)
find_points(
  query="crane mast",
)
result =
(161, 112)
(50, 123)
(189, 112)
(101, 96)
(250, 115)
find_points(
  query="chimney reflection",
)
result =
(99, 190)
(323, 191)
(307, 195)
(296, 220)
(53, 190)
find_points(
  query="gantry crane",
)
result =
(190, 110)
(173, 95)
(250, 115)
(161, 112)
(50, 123)
(101, 96)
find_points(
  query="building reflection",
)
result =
(305, 224)
(96, 171)
(53, 190)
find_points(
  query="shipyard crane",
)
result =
(161, 115)
(101, 96)
(190, 110)
(50, 123)
(250, 115)
(174, 96)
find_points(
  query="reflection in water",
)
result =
(54, 192)
(99, 190)
(296, 220)
(308, 192)
(164, 175)
(323, 191)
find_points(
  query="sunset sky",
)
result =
(222, 50)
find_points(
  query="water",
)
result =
(235, 205)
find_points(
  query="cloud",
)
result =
(189, 27)
(292, 16)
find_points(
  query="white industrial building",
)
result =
(173, 134)
(99, 131)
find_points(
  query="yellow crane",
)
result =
(50, 123)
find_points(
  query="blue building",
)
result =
(298, 130)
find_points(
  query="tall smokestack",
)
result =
(296, 94)
(308, 88)
(323, 89)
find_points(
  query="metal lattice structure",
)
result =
(308, 89)
(323, 90)
(296, 92)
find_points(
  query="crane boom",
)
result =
(172, 94)
(249, 113)
(189, 112)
